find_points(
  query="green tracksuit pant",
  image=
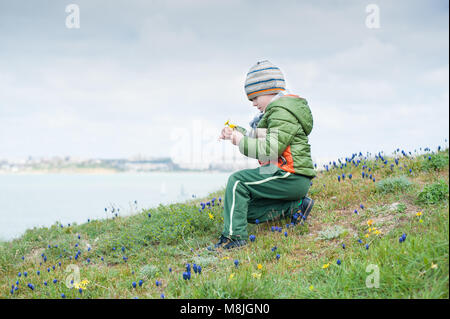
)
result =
(253, 194)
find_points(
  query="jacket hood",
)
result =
(298, 107)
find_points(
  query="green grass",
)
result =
(416, 205)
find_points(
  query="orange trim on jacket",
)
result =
(289, 165)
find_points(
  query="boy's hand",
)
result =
(226, 133)
(236, 137)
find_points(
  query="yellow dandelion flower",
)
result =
(311, 287)
(211, 216)
(256, 275)
(325, 266)
(231, 277)
(419, 213)
(367, 235)
(259, 266)
(377, 232)
(370, 229)
(421, 220)
(370, 222)
(226, 257)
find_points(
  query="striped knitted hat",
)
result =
(264, 78)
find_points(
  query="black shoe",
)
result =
(222, 240)
(303, 213)
(235, 243)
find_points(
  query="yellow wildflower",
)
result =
(231, 277)
(82, 284)
(259, 266)
(256, 275)
(377, 232)
(325, 266)
(211, 216)
(370, 229)
(367, 235)
(421, 220)
(311, 287)
(419, 213)
(370, 222)
(226, 257)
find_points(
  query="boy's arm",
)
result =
(241, 130)
(282, 127)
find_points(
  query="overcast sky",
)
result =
(156, 77)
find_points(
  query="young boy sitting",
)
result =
(279, 140)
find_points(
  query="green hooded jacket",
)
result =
(288, 121)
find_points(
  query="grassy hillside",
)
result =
(353, 235)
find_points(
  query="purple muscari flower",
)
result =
(141, 282)
(400, 240)
(38, 272)
(404, 236)
(76, 245)
(23, 257)
(185, 275)
(30, 286)
(220, 199)
(279, 229)
(236, 262)
(102, 259)
(339, 178)
(88, 260)
(343, 246)
(89, 248)
(338, 262)
(343, 176)
(194, 267)
(53, 267)
(360, 241)
(48, 269)
(374, 179)
(55, 281)
(45, 283)
(63, 295)
(149, 215)
(188, 268)
(125, 258)
(157, 283)
(133, 284)
(170, 269)
(162, 296)
(356, 212)
(256, 221)
(350, 176)
(114, 248)
(17, 283)
(367, 246)
(123, 248)
(285, 234)
(252, 238)
(362, 174)
(199, 270)
(80, 290)
(59, 264)
(362, 206)
(49, 246)
(274, 248)
(278, 256)
(25, 273)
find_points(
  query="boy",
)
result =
(279, 140)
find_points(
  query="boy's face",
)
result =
(261, 102)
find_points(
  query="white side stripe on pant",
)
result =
(249, 183)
